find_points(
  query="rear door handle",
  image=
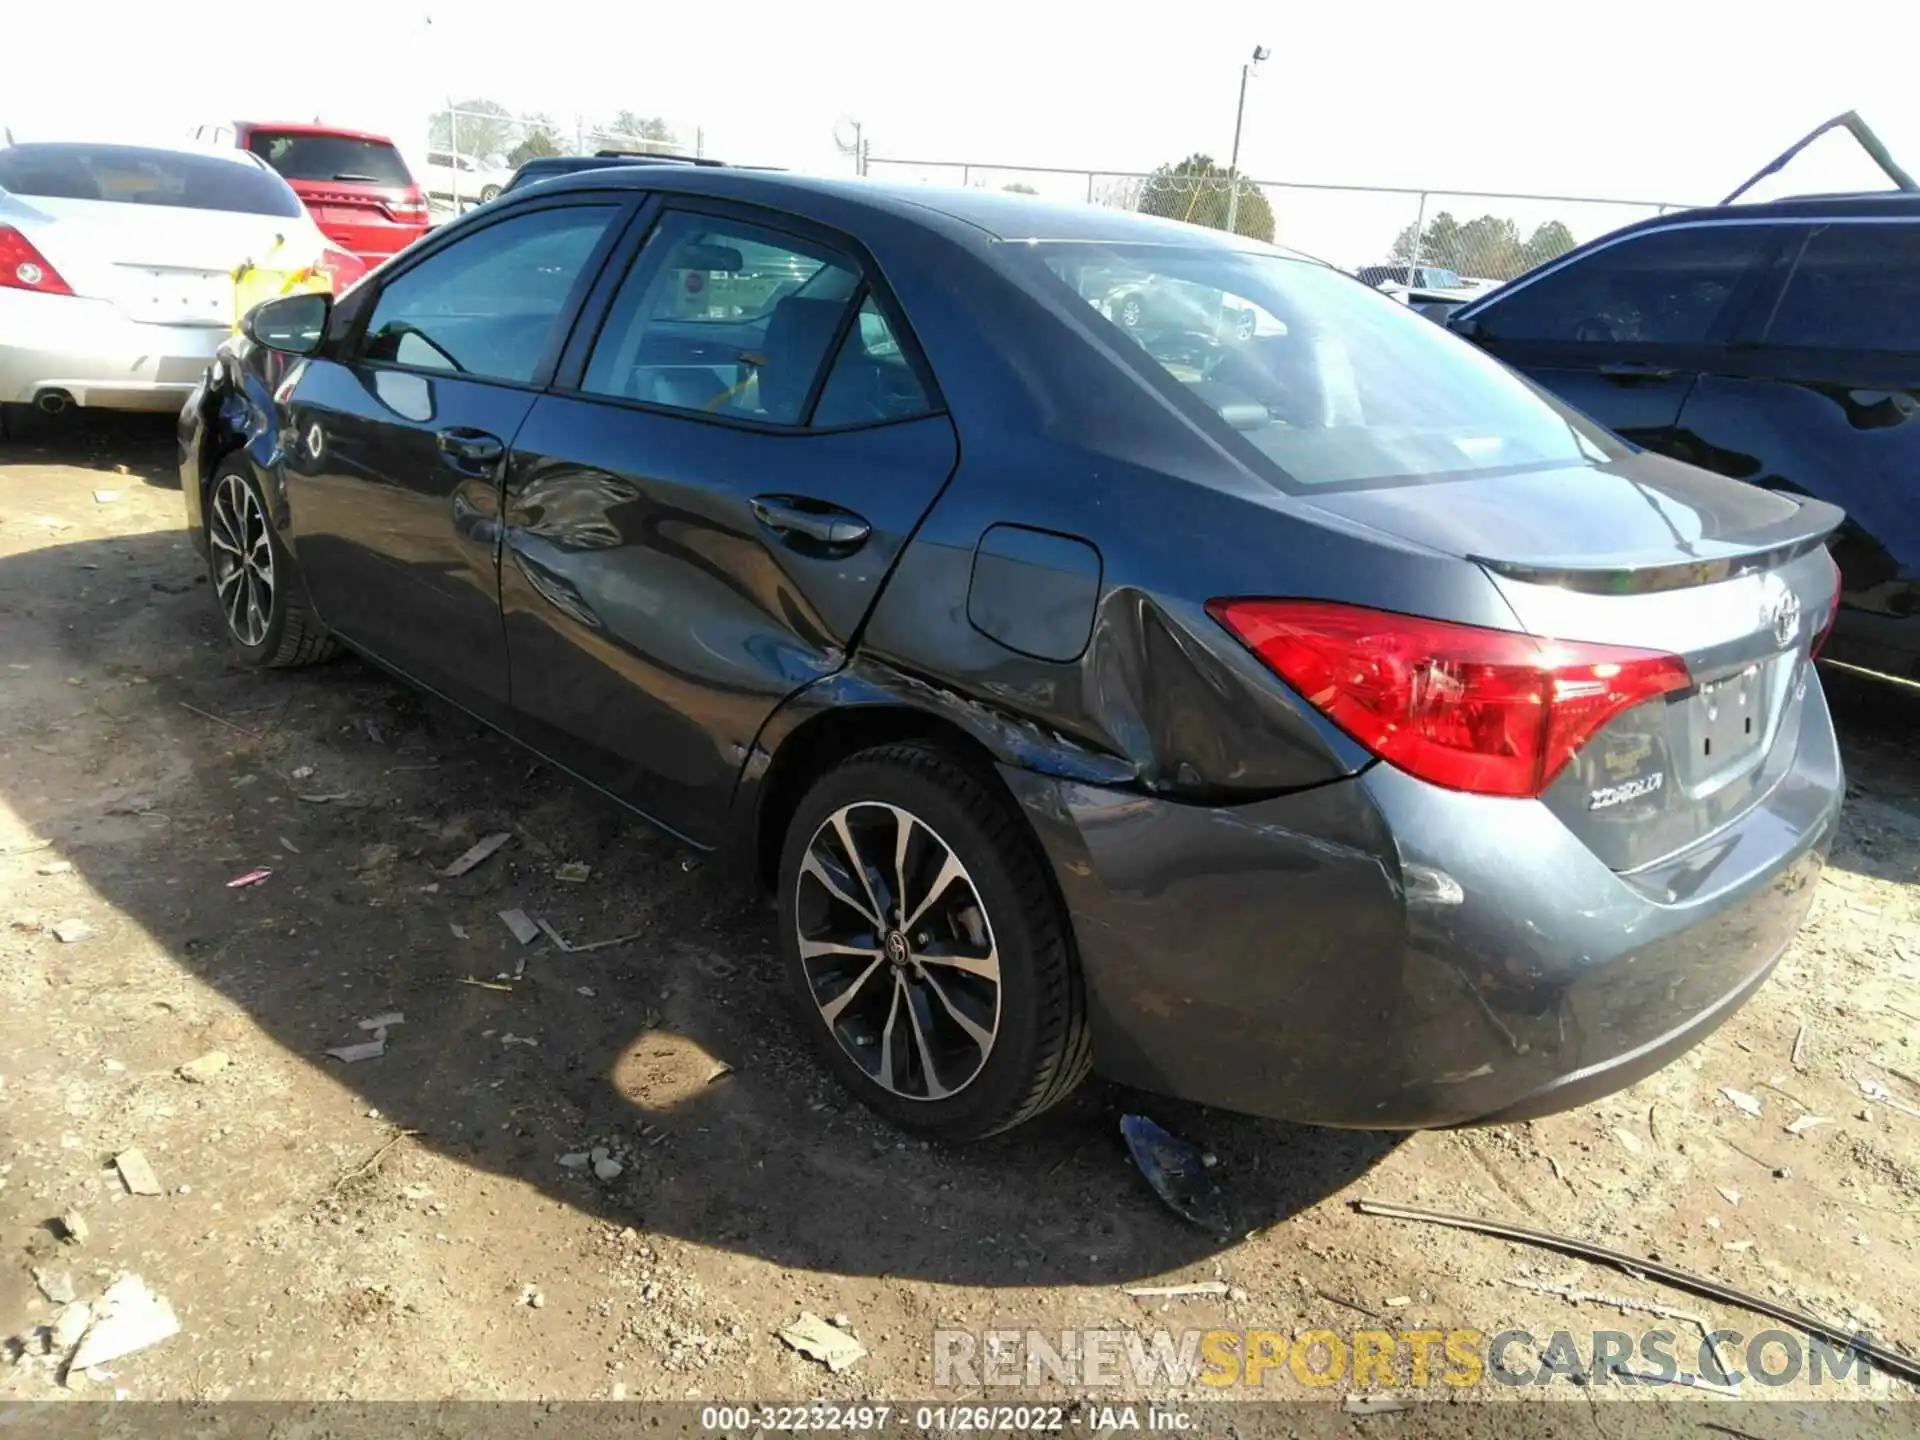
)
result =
(809, 524)
(475, 447)
(1636, 370)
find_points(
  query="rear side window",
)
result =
(330, 157)
(1671, 287)
(133, 175)
(725, 318)
(1853, 287)
(488, 305)
(871, 379)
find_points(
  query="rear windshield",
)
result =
(1329, 380)
(130, 175)
(330, 157)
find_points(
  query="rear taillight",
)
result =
(1833, 612)
(24, 268)
(410, 208)
(1489, 711)
(339, 269)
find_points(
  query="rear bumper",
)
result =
(92, 352)
(1380, 954)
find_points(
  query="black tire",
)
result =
(491, 192)
(1041, 1046)
(292, 634)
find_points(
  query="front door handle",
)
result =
(809, 524)
(1636, 370)
(474, 447)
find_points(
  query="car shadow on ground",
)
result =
(167, 773)
(119, 445)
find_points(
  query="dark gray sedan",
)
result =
(1312, 718)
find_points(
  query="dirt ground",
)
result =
(404, 1227)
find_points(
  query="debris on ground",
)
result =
(1732, 1197)
(531, 1295)
(1797, 1057)
(302, 772)
(72, 932)
(1178, 1292)
(721, 1069)
(106, 497)
(55, 867)
(574, 872)
(523, 929)
(73, 1227)
(818, 1340)
(586, 990)
(1806, 1123)
(129, 1318)
(1376, 1404)
(1627, 1138)
(1886, 1360)
(475, 853)
(136, 1173)
(366, 1050)
(1178, 1174)
(202, 1071)
(526, 1040)
(577, 1160)
(288, 846)
(381, 1022)
(567, 947)
(1742, 1101)
(252, 877)
(1878, 1093)
(329, 798)
(56, 1285)
(607, 1168)
(70, 1324)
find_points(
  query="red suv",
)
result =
(355, 185)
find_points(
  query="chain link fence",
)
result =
(1428, 237)
(472, 148)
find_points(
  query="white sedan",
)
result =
(118, 264)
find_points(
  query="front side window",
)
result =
(490, 304)
(1668, 287)
(1332, 382)
(1853, 287)
(724, 318)
(133, 175)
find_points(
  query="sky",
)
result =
(1675, 101)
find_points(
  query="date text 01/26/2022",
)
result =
(876, 1419)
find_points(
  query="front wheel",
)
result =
(267, 618)
(927, 951)
(490, 192)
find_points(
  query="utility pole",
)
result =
(1260, 52)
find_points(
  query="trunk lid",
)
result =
(164, 265)
(1649, 553)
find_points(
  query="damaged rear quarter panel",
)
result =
(1159, 687)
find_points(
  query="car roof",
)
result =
(225, 154)
(1903, 203)
(991, 214)
(294, 127)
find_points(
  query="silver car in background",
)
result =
(117, 267)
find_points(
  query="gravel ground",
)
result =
(408, 1226)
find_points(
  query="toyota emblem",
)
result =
(1780, 612)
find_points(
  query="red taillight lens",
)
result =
(409, 207)
(24, 268)
(1833, 612)
(1489, 711)
(339, 269)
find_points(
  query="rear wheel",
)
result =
(491, 192)
(267, 619)
(926, 949)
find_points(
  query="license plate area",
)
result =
(177, 297)
(1726, 722)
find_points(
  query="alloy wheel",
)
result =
(898, 951)
(1130, 312)
(242, 551)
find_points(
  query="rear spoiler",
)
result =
(1853, 125)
